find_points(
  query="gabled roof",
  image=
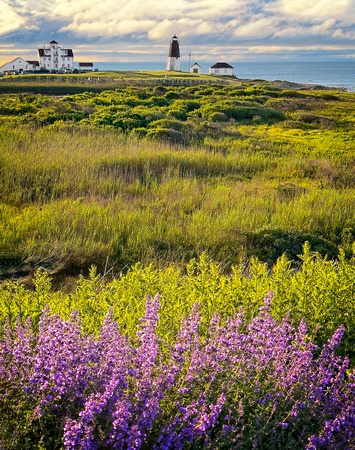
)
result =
(221, 65)
(88, 64)
(34, 63)
(195, 64)
(53, 42)
(69, 50)
(13, 60)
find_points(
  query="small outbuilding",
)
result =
(221, 68)
(86, 66)
(195, 68)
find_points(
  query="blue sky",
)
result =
(213, 30)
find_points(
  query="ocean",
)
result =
(338, 74)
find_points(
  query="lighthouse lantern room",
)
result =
(174, 56)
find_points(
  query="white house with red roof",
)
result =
(20, 65)
(86, 66)
(221, 68)
(55, 58)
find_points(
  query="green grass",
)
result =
(162, 174)
(64, 84)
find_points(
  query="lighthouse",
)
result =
(174, 55)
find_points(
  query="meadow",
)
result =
(164, 174)
(216, 196)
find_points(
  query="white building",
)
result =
(86, 67)
(174, 56)
(195, 68)
(221, 68)
(20, 65)
(54, 58)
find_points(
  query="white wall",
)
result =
(173, 64)
(18, 64)
(56, 58)
(222, 71)
(195, 67)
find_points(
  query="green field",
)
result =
(162, 174)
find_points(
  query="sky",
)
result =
(212, 30)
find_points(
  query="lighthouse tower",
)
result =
(174, 55)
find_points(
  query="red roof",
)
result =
(69, 50)
(221, 65)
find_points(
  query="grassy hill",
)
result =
(162, 173)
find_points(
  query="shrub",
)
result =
(159, 90)
(292, 94)
(218, 117)
(158, 101)
(179, 114)
(166, 123)
(140, 132)
(269, 245)
(171, 95)
(167, 134)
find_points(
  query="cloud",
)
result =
(317, 10)
(255, 19)
(209, 24)
(303, 30)
(348, 35)
(9, 19)
(109, 28)
(183, 27)
(260, 28)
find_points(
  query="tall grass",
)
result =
(83, 196)
(75, 194)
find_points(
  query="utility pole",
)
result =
(189, 62)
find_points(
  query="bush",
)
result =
(140, 132)
(218, 117)
(167, 134)
(166, 123)
(269, 245)
(292, 94)
(179, 114)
